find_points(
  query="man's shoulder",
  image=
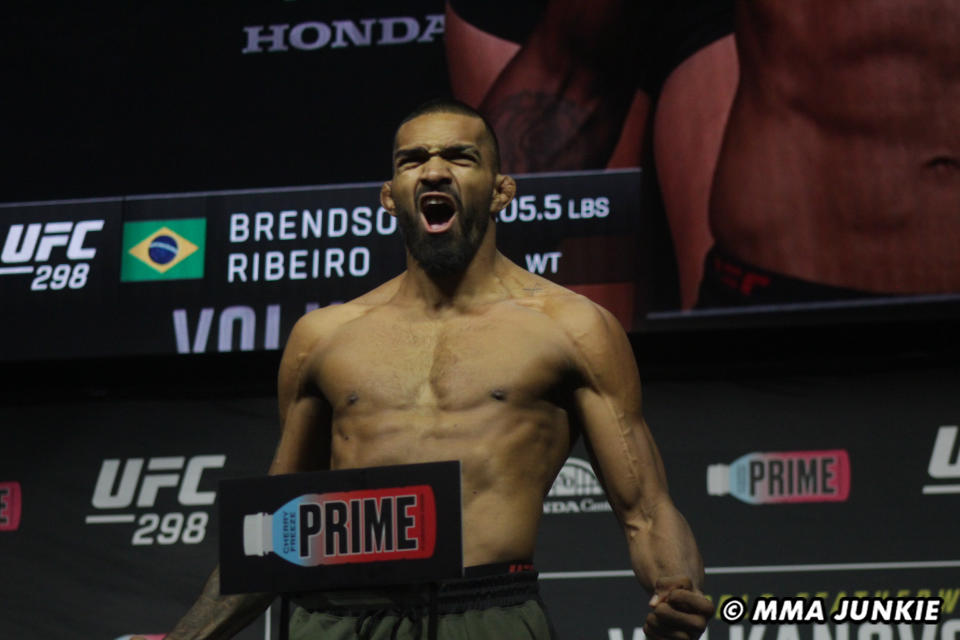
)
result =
(593, 333)
(597, 343)
(322, 323)
(575, 313)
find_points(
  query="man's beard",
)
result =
(445, 254)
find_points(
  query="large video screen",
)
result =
(184, 178)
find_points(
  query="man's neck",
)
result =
(477, 284)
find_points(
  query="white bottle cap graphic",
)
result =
(718, 479)
(257, 534)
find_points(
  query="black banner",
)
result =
(233, 271)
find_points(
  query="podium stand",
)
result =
(352, 528)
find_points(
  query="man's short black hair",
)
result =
(450, 105)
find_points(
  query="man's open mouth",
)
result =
(438, 211)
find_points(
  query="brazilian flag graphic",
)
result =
(163, 249)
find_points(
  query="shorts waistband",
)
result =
(484, 586)
(497, 568)
(728, 281)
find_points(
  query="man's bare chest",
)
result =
(452, 365)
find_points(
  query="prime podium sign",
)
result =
(347, 528)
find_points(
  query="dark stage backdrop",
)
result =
(109, 507)
(182, 180)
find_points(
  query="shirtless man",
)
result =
(602, 84)
(466, 356)
(839, 173)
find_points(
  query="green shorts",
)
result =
(493, 607)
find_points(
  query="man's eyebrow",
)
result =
(409, 151)
(420, 150)
(461, 148)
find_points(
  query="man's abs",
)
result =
(841, 159)
(508, 462)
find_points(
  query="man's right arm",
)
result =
(304, 446)
(561, 101)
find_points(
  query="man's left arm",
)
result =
(662, 549)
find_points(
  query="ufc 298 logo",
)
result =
(57, 254)
(134, 484)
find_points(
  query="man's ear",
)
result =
(386, 198)
(504, 188)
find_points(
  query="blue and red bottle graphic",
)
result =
(783, 477)
(372, 525)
